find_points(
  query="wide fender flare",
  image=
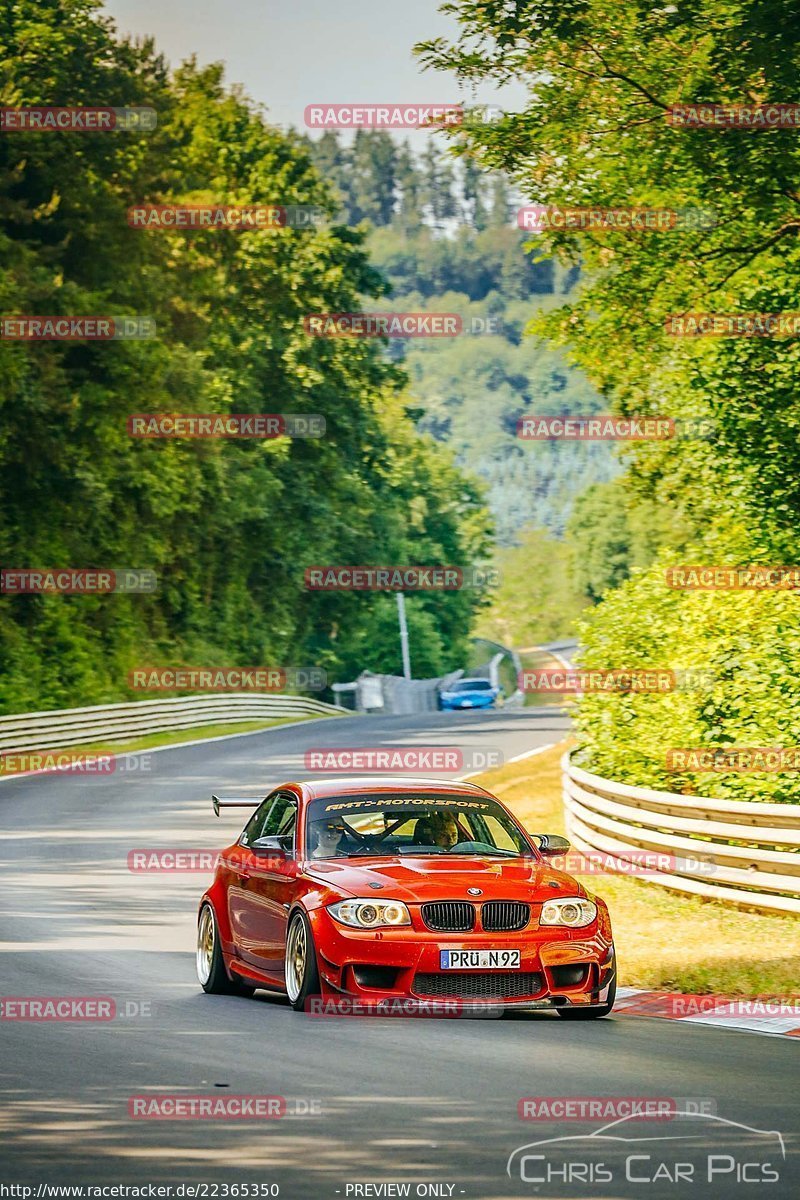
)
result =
(215, 896)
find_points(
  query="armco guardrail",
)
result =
(124, 722)
(744, 853)
(392, 693)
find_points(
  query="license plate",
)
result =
(482, 960)
(467, 703)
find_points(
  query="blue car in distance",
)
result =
(470, 693)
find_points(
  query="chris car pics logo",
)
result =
(701, 1151)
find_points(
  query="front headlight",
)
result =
(574, 913)
(370, 914)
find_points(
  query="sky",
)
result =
(288, 55)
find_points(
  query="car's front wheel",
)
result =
(301, 972)
(210, 966)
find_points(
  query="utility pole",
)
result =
(401, 614)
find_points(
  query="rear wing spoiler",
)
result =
(235, 802)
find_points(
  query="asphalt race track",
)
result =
(371, 1101)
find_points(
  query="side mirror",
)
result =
(269, 845)
(551, 845)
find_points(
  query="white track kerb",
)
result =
(754, 1016)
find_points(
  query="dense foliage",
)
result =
(228, 526)
(595, 133)
(537, 598)
(443, 232)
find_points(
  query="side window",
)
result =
(253, 827)
(500, 837)
(281, 819)
(275, 817)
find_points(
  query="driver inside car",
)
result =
(438, 829)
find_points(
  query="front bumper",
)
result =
(558, 967)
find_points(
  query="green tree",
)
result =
(438, 183)
(410, 214)
(500, 206)
(332, 160)
(596, 132)
(474, 186)
(373, 162)
(228, 526)
(535, 600)
(612, 532)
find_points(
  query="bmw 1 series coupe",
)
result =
(386, 889)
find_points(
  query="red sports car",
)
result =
(396, 889)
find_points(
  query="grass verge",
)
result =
(665, 941)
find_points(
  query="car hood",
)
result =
(415, 879)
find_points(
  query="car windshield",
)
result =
(388, 825)
(471, 685)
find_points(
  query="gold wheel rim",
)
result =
(296, 958)
(205, 945)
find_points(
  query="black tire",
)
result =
(592, 1014)
(211, 972)
(301, 972)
